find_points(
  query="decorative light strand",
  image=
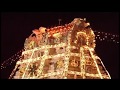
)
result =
(102, 36)
(12, 59)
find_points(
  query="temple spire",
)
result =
(59, 21)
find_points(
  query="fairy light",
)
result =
(96, 57)
(11, 59)
(82, 62)
(87, 74)
(107, 37)
(96, 65)
(27, 65)
(43, 61)
(49, 56)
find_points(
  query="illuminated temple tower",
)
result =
(62, 52)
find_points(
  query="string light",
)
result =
(107, 37)
(12, 59)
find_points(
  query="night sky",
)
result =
(17, 26)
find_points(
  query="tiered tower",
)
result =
(62, 52)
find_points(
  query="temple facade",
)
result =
(61, 52)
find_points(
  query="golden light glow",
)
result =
(63, 52)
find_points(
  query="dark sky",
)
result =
(17, 26)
